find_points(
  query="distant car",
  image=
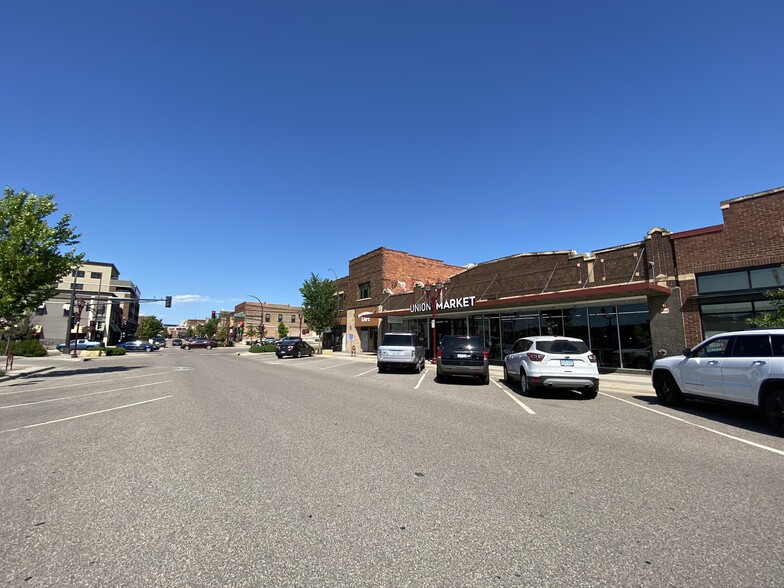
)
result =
(462, 355)
(80, 344)
(546, 361)
(159, 341)
(293, 346)
(736, 368)
(176, 342)
(400, 350)
(200, 343)
(269, 341)
(137, 345)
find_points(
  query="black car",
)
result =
(462, 355)
(293, 346)
(137, 345)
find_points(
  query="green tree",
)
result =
(210, 327)
(31, 257)
(250, 332)
(189, 332)
(283, 330)
(149, 327)
(319, 303)
(774, 318)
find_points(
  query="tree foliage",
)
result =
(149, 327)
(31, 257)
(283, 330)
(774, 318)
(208, 329)
(319, 303)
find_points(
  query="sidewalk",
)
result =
(26, 366)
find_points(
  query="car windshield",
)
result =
(397, 340)
(472, 343)
(290, 340)
(562, 346)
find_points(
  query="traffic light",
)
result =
(213, 314)
(167, 304)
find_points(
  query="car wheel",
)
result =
(279, 356)
(486, 379)
(381, 368)
(439, 377)
(774, 411)
(506, 374)
(148, 349)
(667, 390)
(525, 389)
(296, 354)
(590, 393)
(186, 347)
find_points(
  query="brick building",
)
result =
(251, 317)
(630, 303)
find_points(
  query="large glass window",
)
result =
(634, 330)
(727, 282)
(576, 323)
(768, 277)
(364, 290)
(721, 318)
(603, 321)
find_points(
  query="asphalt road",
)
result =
(213, 468)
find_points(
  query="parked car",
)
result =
(159, 341)
(199, 343)
(137, 345)
(741, 367)
(462, 355)
(269, 341)
(400, 350)
(293, 346)
(80, 344)
(176, 342)
(548, 361)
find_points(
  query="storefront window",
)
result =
(720, 318)
(552, 322)
(769, 277)
(576, 323)
(726, 282)
(635, 333)
(603, 321)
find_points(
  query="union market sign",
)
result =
(448, 304)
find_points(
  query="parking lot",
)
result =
(244, 469)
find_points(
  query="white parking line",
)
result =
(422, 378)
(704, 428)
(81, 384)
(82, 395)
(513, 397)
(367, 372)
(78, 416)
(329, 367)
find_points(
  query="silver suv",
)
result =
(741, 367)
(401, 350)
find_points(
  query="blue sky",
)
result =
(213, 150)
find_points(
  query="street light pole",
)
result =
(261, 318)
(433, 292)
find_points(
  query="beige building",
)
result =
(92, 303)
(251, 317)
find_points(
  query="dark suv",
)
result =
(401, 350)
(462, 355)
(293, 346)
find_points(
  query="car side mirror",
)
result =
(687, 352)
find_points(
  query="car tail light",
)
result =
(440, 352)
(484, 354)
(535, 356)
(592, 358)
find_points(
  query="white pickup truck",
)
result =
(80, 344)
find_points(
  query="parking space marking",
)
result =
(81, 384)
(329, 367)
(703, 427)
(83, 395)
(367, 372)
(79, 416)
(513, 397)
(421, 378)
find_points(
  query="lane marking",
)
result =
(79, 416)
(703, 427)
(513, 397)
(82, 395)
(422, 378)
(81, 384)
(367, 372)
(329, 367)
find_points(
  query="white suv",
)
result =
(742, 367)
(552, 362)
